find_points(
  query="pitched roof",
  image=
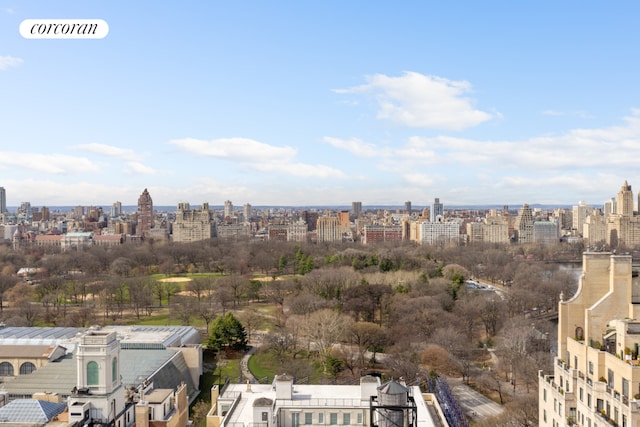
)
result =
(30, 411)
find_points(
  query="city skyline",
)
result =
(318, 104)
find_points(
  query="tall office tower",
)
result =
(247, 212)
(437, 209)
(145, 214)
(116, 210)
(625, 200)
(228, 210)
(407, 208)
(46, 215)
(524, 224)
(356, 209)
(610, 207)
(3, 200)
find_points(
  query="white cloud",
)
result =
(354, 146)
(139, 168)
(537, 165)
(239, 149)
(256, 155)
(47, 163)
(576, 113)
(419, 100)
(9, 61)
(107, 150)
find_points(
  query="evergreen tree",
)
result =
(227, 333)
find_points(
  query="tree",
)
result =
(227, 333)
(199, 287)
(323, 329)
(6, 282)
(367, 336)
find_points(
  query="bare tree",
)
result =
(323, 329)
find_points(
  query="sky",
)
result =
(311, 103)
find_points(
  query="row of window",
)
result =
(309, 418)
(6, 369)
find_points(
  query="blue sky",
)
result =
(317, 103)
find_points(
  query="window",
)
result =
(92, 373)
(589, 400)
(591, 367)
(321, 418)
(625, 387)
(265, 416)
(114, 370)
(544, 415)
(333, 418)
(295, 419)
(6, 369)
(610, 377)
(346, 418)
(359, 418)
(308, 418)
(26, 368)
(544, 394)
(581, 393)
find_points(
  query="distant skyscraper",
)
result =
(247, 212)
(437, 209)
(228, 210)
(610, 207)
(407, 208)
(356, 208)
(145, 214)
(580, 214)
(3, 200)
(116, 210)
(524, 224)
(625, 200)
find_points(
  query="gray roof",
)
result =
(165, 368)
(142, 337)
(393, 387)
(30, 411)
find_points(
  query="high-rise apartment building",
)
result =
(407, 208)
(439, 233)
(546, 232)
(595, 229)
(610, 207)
(625, 200)
(192, 225)
(356, 209)
(247, 212)
(3, 200)
(595, 379)
(145, 214)
(228, 210)
(524, 224)
(437, 210)
(328, 229)
(116, 210)
(580, 214)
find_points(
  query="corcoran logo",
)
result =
(64, 29)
